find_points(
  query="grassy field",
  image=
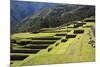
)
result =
(63, 50)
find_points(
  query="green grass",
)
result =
(30, 35)
(75, 49)
(78, 51)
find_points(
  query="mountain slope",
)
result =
(53, 17)
(23, 9)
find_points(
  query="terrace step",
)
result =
(36, 42)
(18, 57)
(63, 40)
(11, 62)
(54, 31)
(87, 26)
(60, 34)
(36, 46)
(46, 38)
(78, 31)
(25, 51)
(91, 20)
(13, 41)
(70, 36)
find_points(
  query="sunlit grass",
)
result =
(75, 49)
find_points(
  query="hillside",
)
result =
(23, 9)
(53, 17)
(68, 43)
(55, 33)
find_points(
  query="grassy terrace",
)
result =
(66, 44)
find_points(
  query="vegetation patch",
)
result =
(78, 31)
(70, 36)
(63, 40)
(49, 49)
